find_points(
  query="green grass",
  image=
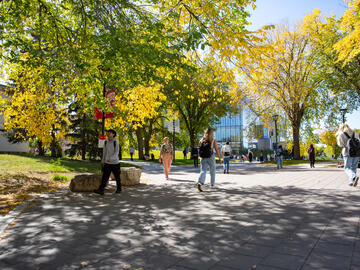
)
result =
(60, 177)
(178, 154)
(297, 162)
(23, 163)
(22, 176)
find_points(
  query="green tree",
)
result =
(199, 97)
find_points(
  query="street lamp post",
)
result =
(343, 112)
(275, 118)
(102, 70)
(174, 139)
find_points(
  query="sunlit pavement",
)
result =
(256, 218)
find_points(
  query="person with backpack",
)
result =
(311, 153)
(110, 162)
(208, 146)
(349, 141)
(166, 156)
(226, 152)
(279, 152)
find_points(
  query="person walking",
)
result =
(226, 152)
(279, 152)
(131, 151)
(250, 156)
(195, 155)
(185, 152)
(344, 134)
(166, 156)
(311, 153)
(110, 162)
(208, 146)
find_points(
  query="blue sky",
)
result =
(293, 11)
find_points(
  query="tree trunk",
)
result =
(147, 138)
(41, 148)
(140, 140)
(83, 140)
(296, 141)
(147, 146)
(192, 138)
(53, 142)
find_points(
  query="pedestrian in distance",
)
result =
(207, 149)
(185, 152)
(261, 157)
(226, 152)
(131, 151)
(279, 152)
(344, 136)
(311, 153)
(250, 156)
(195, 155)
(166, 156)
(110, 162)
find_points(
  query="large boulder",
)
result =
(85, 182)
(129, 176)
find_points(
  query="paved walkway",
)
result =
(256, 218)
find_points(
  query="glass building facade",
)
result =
(230, 129)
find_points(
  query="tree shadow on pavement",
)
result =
(176, 227)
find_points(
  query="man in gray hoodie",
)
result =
(110, 162)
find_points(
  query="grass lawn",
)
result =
(22, 176)
(178, 154)
(297, 162)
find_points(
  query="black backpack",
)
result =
(353, 145)
(205, 150)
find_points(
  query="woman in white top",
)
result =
(226, 152)
(350, 163)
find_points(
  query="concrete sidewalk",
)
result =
(257, 218)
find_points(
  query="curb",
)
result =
(6, 220)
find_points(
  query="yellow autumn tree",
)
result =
(280, 80)
(37, 105)
(329, 139)
(137, 109)
(349, 46)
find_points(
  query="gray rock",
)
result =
(129, 176)
(85, 182)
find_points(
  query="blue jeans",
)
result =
(226, 163)
(206, 163)
(350, 167)
(279, 161)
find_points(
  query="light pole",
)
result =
(102, 70)
(275, 118)
(174, 139)
(343, 112)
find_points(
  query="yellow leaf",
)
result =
(84, 264)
